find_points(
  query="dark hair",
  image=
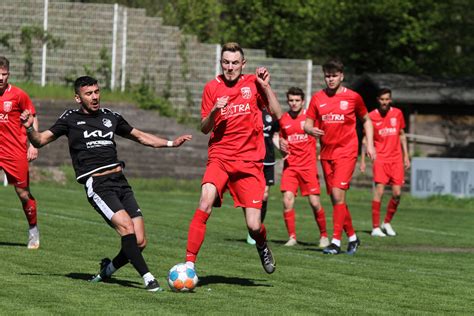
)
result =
(333, 65)
(232, 47)
(83, 81)
(4, 63)
(295, 91)
(384, 91)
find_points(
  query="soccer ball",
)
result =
(182, 278)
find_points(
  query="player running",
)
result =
(332, 117)
(90, 131)
(392, 157)
(231, 111)
(299, 169)
(14, 151)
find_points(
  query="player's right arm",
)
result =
(207, 123)
(363, 152)
(311, 114)
(38, 139)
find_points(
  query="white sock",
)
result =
(33, 230)
(336, 242)
(352, 238)
(190, 264)
(147, 277)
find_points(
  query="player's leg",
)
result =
(392, 209)
(197, 227)
(320, 218)
(289, 217)
(376, 205)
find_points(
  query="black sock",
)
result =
(133, 253)
(121, 259)
(264, 210)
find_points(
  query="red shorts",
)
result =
(306, 179)
(244, 180)
(338, 173)
(392, 173)
(16, 171)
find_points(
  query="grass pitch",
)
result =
(426, 269)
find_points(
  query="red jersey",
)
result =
(301, 146)
(387, 134)
(12, 133)
(238, 128)
(336, 116)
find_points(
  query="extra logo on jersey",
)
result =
(106, 122)
(7, 106)
(344, 105)
(393, 121)
(246, 92)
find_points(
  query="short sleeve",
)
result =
(26, 103)
(360, 108)
(60, 127)
(402, 120)
(312, 112)
(207, 102)
(123, 128)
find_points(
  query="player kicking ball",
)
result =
(231, 110)
(90, 131)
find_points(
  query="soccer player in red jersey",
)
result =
(392, 157)
(299, 169)
(15, 153)
(231, 111)
(332, 117)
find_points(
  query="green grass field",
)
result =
(426, 269)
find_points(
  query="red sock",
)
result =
(29, 208)
(260, 237)
(196, 234)
(320, 217)
(289, 217)
(391, 210)
(348, 228)
(375, 214)
(338, 215)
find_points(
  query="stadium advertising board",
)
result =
(431, 176)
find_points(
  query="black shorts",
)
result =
(110, 193)
(269, 171)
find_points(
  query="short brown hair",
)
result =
(232, 47)
(295, 91)
(4, 63)
(383, 91)
(333, 65)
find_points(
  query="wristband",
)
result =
(30, 129)
(169, 143)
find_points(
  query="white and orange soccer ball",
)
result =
(182, 278)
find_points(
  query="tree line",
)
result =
(421, 37)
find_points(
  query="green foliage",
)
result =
(30, 33)
(5, 41)
(426, 269)
(147, 99)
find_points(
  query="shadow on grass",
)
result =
(87, 277)
(12, 244)
(275, 241)
(216, 279)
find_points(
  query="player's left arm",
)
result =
(154, 141)
(369, 133)
(406, 156)
(32, 152)
(263, 79)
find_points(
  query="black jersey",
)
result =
(91, 139)
(270, 127)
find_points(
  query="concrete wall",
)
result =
(145, 47)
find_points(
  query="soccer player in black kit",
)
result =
(90, 131)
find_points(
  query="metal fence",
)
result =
(134, 47)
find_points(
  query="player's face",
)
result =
(295, 102)
(89, 98)
(232, 64)
(4, 74)
(333, 79)
(385, 101)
